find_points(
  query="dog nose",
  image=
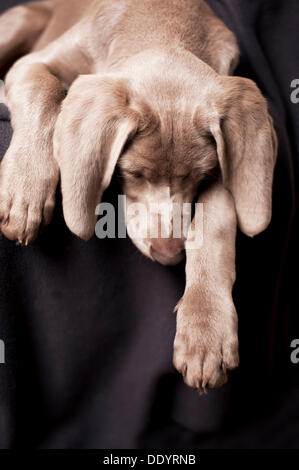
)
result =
(167, 251)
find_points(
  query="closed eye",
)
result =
(132, 174)
(184, 177)
(137, 174)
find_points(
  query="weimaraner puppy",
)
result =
(143, 86)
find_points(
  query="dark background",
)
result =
(89, 327)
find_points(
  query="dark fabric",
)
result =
(89, 327)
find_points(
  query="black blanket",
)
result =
(88, 327)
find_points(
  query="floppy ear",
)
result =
(93, 126)
(247, 149)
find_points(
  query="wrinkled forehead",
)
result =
(174, 149)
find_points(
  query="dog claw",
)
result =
(177, 306)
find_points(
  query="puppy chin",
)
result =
(145, 248)
(168, 261)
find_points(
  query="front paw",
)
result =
(206, 342)
(27, 193)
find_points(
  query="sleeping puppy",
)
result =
(149, 91)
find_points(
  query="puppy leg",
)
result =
(20, 27)
(28, 172)
(206, 342)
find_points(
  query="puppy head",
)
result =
(161, 170)
(166, 129)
